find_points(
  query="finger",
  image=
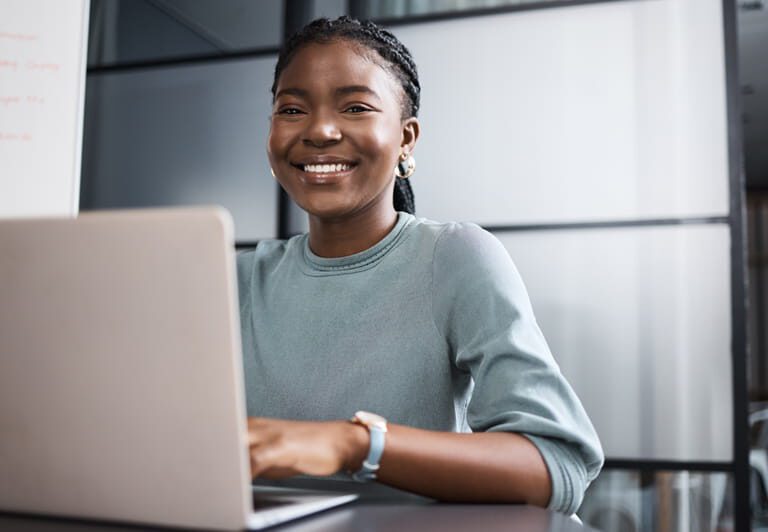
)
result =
(258, 435)
(261, 429)
(255, 436)
(269, 455)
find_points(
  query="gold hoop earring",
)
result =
(272, 172)
(405, 167)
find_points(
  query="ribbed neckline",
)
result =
(316, 265)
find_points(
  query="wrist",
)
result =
(357, 442)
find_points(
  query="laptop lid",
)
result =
(120, 369)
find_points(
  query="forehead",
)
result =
(339, 63)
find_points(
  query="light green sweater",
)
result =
(432, 327)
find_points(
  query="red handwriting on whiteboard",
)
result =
(6, 101)
(15, 137)
(8, 64)
(31, 99)
(43, 67)
(11, 36)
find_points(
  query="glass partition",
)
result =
(181, 135)
(572, 115)
(639, 320)
(636, 501)
(155, 30)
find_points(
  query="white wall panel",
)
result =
(639, 321)
(595, 112)
(189, 134)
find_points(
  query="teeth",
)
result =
(325, 168)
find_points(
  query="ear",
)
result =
(410, 134)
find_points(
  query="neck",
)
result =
(340, 238)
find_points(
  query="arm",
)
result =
(478, 467)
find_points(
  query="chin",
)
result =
(322, 208)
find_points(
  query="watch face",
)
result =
(371, 420)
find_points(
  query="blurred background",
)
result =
(601, 141)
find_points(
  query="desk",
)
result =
(436, 518)
(361, 516)
(379, 509)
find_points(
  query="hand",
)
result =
(280, 448)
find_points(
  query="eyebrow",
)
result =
(349, 89)
(291, 92)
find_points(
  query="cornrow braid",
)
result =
(404, 200)
(397, 60)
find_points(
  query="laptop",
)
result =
(121, 382)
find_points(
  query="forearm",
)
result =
(476, 467)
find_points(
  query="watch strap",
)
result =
(371, 463)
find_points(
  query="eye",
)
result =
(289, 111)
(356, 109)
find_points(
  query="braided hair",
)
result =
(397, 61)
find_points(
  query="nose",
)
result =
(321, 130)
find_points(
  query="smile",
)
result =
(325, 168)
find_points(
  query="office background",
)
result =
(591, 137)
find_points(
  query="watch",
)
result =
(377, 428)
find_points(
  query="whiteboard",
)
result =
(42, 85)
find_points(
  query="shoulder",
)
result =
(266, 255)
(452, 240)
(471, 263)
(475, 283)
(459, 238)
(263, 249)
(467, 248)
(459, 249)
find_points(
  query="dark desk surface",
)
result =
(361, 516)
(435, 517)
(378, 509)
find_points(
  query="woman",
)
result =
(427, 325)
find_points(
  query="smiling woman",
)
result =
(426, 324)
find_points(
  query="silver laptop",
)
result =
(121, 384)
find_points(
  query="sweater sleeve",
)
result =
(481, 307)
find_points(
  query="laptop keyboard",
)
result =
(261, 502)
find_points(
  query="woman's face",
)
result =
(337, 131)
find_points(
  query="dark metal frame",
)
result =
(606, 224)
(667, 465)
(757, 306)
(737, 214)
(352, 6)
(129, 66)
